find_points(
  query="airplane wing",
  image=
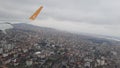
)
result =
(33, 17)
(6, 25)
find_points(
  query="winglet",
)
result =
(33, 17)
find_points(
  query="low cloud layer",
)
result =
(107, 30)
(90, 16)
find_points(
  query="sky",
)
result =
(79, 16)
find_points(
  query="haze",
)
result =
(88, 16)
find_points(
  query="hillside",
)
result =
(94, 39)
(38, 47)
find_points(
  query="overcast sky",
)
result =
(87, 16)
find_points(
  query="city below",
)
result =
(28, 46)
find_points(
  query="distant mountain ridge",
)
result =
(29, 27)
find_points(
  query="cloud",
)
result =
(82, 27)
(101, 16)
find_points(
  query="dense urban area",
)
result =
(28, 46)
